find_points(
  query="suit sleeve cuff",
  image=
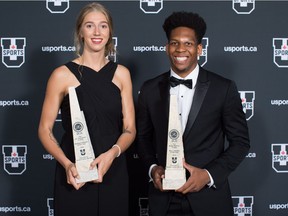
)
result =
(149, 172)
(211, 183)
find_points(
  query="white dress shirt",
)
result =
(185, 95)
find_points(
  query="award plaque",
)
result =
(175, 174)
(84, 154)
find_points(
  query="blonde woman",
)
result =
(104, 91)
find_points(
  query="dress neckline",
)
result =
(89, 68)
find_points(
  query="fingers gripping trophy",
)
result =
(175, 175)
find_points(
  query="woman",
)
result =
(104, 91)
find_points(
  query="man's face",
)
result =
(183, 50)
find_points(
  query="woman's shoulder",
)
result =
(61, 78)
(61, 72)
(122, 71)
(122, 76)
(122, 68)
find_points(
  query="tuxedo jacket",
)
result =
(215, 138)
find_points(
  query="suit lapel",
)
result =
(199, 95)
(164, 87)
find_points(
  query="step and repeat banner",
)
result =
(246, 40)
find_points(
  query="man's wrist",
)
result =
(211, 182)
(150, 172)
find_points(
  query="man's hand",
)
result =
(197, 180)
(157, 174)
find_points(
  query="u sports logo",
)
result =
(13, 52)
(202, 59)
(58, 118)
(280, 157)
(143, 205)
(248, 98)
(280, 49)
(242, 205)
(14, 159)
(174, 160)
(243, 6)
(57, 6)
(151, 6)
(113, 56)
(50, 205)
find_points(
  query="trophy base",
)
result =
(174, 179)
(87, 176)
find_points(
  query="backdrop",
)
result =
(246, 41)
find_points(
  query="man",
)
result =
(211, 112)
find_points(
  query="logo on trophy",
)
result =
(84, 154)
(175, 175)
(77, 126)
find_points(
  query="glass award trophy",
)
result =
(84, 154)
(175, 174)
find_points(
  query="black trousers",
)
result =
(179, 206)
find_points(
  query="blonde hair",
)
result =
(78, 40)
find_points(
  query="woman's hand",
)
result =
(103, 163)
(71, 175)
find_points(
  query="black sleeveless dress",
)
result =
(100, 100)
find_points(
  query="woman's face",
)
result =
(95, 32)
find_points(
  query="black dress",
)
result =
(100, 100)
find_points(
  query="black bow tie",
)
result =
(174, 82)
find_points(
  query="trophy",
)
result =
(175, 174)
(84, 154)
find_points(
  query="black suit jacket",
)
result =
(216, 115)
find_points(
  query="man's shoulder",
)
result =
(157, 79)
(213, 76)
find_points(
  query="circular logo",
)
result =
(78, 126)
(174, 134)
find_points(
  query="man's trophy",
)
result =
(175, 174)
